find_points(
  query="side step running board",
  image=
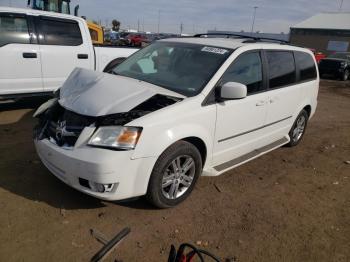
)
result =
(250, 155)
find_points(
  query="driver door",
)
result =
(240, 123)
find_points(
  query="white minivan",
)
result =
(173, 111)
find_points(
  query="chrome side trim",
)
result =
(255, 129)
(250, 155)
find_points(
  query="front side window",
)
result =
(13, 30)
(281, 68)
(306, 64)
(59, 32)
(247, 70)
(180, 67)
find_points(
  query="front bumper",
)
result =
(104, 166)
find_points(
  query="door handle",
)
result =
(83, 56)
(30, 55)
(260, 103)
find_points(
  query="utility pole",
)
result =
(181, 28)
(254, 14)
(341, 5)
(158, 20)
(138, 25)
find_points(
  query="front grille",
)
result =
(64, 126)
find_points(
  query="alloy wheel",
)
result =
(178, 176)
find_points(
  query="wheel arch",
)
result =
(199, 144)
(307, 108)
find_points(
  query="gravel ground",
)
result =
(292, 204)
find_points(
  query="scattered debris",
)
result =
(336, 183)
(74, 244)
(63, 212)
(164, 218)
(199, 243)
(231, 259)
(101, 214)
(206, 243)
(347, 162)
(65, 222)
(109, 244)
(217, 188)
(139, 244)
(99, 236)
(176, 231)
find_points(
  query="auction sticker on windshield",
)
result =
(214, 50)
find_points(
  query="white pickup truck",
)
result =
(38, 50)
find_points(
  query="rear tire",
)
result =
(298, 129)
(174, 175)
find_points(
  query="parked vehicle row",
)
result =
(174, 111)
(40, 49)
(336, 65)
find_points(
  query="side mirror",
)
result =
(232, 90)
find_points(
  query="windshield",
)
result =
(340, 55)
(180, 67)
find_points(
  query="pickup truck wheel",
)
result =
(298, 128)
(346, 75)
(174, 175)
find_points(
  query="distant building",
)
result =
(281, 36)
(325, 32)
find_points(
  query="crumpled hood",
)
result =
(94, 93)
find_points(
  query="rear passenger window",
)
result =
(306, 64)
(13, 30)
(58, 32)
(247, 70)
(281, 68)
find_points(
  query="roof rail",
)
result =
(252, 38)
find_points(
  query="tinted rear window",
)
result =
(59, 32)
(306, 64)
(13, 30)
(281, 68)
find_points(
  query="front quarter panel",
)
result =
(166, 126)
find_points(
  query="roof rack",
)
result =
(252, 39)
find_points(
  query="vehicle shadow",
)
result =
(25, 103)
(23, 174)
(21, 171)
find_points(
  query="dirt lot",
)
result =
(290, 205)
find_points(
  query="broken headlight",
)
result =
(116, 137)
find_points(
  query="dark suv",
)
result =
(336, 65)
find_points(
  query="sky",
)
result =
(198, 16)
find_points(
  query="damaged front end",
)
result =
(63, 127)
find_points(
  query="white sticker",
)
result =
(214, 50)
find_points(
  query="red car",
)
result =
(136, 39)
(318, 55)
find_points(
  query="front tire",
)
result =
(298, 129)
(174, 175)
